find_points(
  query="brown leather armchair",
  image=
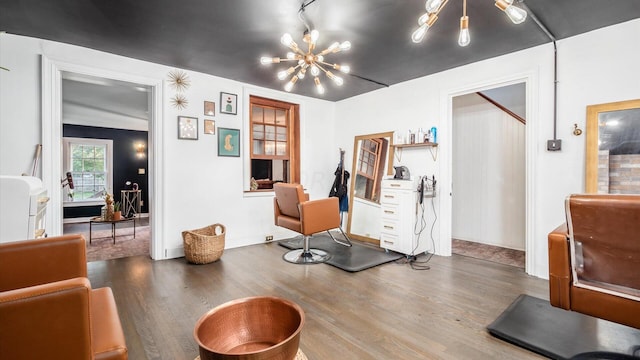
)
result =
(48, 309)
(594, 259)
(293, 210)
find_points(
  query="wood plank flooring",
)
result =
(387, 312)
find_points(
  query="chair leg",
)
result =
(306, 255)
(348, 243)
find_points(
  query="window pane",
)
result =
(258, 147)
(270, 132)
(270, 148)
(87, 152)
(100, 152)
(269, 116)
(281, 117)
(76, 152)
(281, 133)
(281, 148)
(258, 132)
(256, 113)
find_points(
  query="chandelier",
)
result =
(307, 60)
(426, 21)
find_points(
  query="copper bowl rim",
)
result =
(243, 300)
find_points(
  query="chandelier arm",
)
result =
(441, 6)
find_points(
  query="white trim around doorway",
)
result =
(52, 144)
(446, 110)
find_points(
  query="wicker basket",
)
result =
(203, 246)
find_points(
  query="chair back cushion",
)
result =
(288, 196)
(605, 242)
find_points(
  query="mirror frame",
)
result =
(591, 155)
(388, 134)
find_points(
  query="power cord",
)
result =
(412, 259)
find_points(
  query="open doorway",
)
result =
(105, 137)
(489, 175)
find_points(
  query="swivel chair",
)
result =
(293, 210)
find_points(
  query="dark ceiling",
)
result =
(226, 38)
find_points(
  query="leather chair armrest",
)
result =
(49, 321)
(276, 211)
(319, 215)
(34, 262)
(559, 268)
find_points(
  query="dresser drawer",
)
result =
(398, 184)
(390, 226)
(390, 197)
(390, 211)
(388, 241)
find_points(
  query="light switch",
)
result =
(141, 171)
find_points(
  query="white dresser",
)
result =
(400, 210)
(23, 205)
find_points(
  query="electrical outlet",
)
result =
(268, 238)
(554, 145)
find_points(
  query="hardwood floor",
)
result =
(387, 312)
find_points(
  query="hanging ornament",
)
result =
(179, 102)
(179, 80)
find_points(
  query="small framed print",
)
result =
(209, 108)
(209, 127)
(187, 128)
(228, 103)
(228, 142)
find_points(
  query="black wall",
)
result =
(125, 163)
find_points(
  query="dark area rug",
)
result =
(535, 325)
(355, 258)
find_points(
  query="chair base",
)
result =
(310, 256)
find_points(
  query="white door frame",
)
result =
(446, 167)
(52, 144)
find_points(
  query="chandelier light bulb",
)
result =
(290, 84)
(265, 60)
(420, 33)
(319, 87)
(291, 55)
(432, 5)
(423, 19)
(315, 71)
(336, 79)
(315, 34)
(345, 46)
(333, 46)
(319, 58)
(286, 39)
(515, 14)
(464, 39)
(301, 73)
(284, 73)
(343, 68)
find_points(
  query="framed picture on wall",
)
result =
(209, 108)
(228, 103)
(187, 128)
(228, 142)
(209, 127)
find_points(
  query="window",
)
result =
(370, 165)
(275, 149)
(90, 164)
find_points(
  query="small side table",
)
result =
(99, 220)
(131, 201)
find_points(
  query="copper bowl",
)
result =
(252, 328)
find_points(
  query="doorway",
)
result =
(489, 174)
(52, 126)
(105, 128)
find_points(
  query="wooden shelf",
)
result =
(397, 149)
(426, 144)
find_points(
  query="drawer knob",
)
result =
(388, 227)
(395, 185)
(389, 212)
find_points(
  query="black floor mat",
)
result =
(535, 325)
(352, 259)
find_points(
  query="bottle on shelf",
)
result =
(434, 134)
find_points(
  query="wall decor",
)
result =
(209, 108)
(228, 142)
(228, 103)
(179, 80)
(179, 102)
(187, 128)
(209, 127)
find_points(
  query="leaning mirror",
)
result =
(371, 161)
(613, 148)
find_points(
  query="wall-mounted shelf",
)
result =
(397, 149)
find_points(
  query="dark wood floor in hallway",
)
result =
(387, 312)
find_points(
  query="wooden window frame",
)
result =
(293, 135)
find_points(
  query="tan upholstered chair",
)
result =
(594, 259)
(48, 309)
(293, 210)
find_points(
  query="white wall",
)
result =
(595, 67)
(488, 174)
(200, 188)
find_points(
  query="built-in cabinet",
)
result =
(401, 214)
